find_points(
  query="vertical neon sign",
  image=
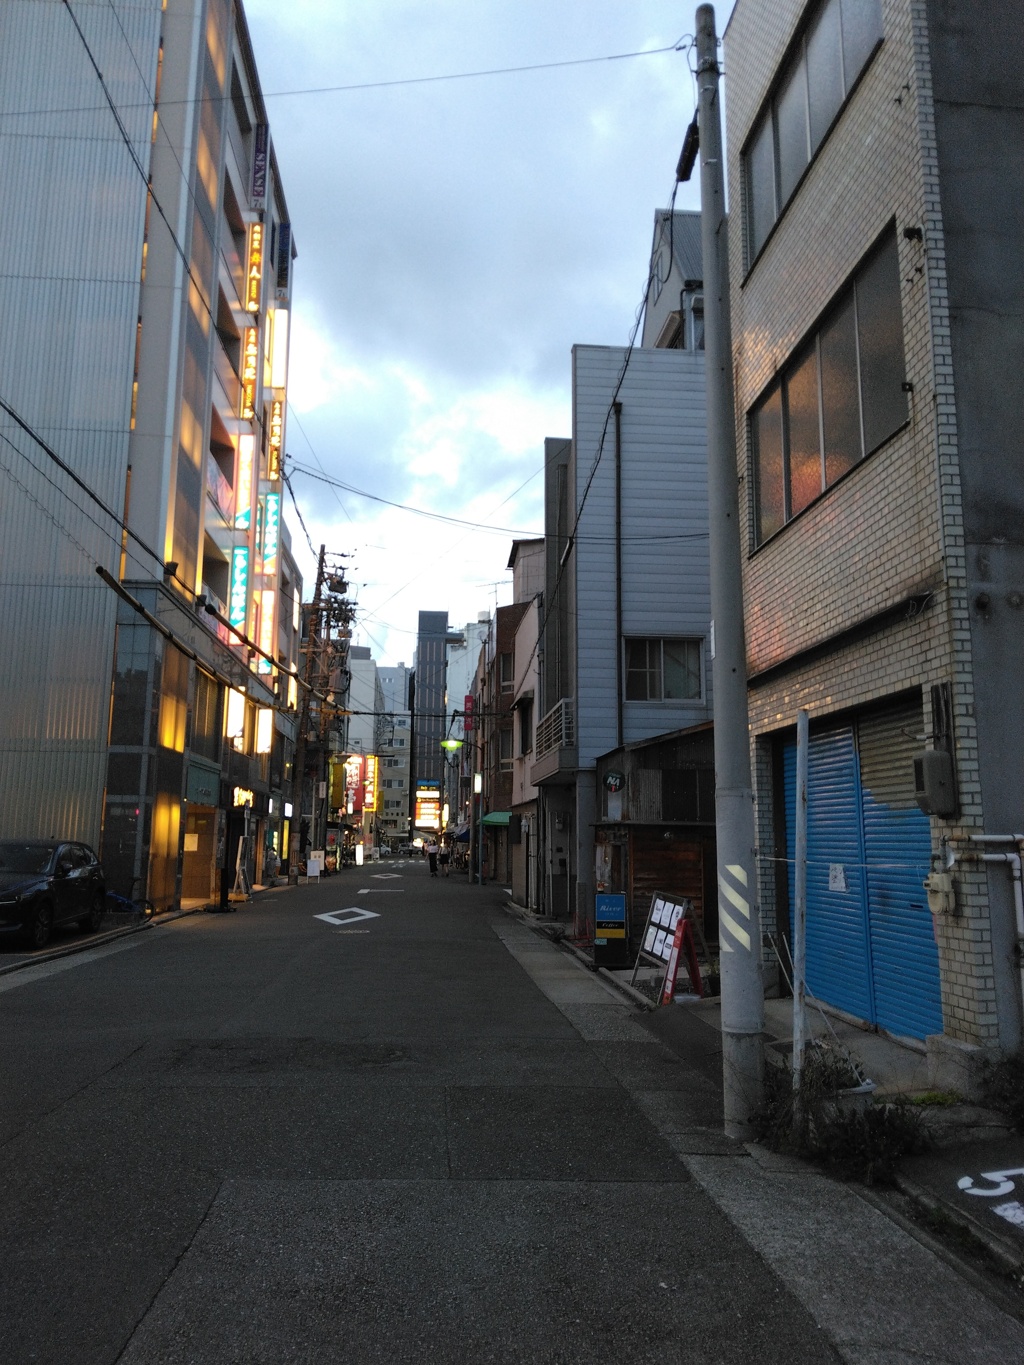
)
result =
(238, 601)
(243, 482)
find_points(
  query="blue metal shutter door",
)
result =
(838, 957)
(897, 843)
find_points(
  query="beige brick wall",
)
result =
(893, 526)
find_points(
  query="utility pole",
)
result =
(299, 767)
(738, 911)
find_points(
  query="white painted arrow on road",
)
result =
(352, 915)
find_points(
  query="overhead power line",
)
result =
(392, 84)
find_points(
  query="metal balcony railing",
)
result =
(556, 730)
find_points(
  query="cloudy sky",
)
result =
(455, 238)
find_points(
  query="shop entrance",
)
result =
(198, 877)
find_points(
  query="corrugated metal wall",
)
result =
(73, 208)
(665, 574)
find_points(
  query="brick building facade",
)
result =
(876, 308)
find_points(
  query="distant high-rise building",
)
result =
(429, 695)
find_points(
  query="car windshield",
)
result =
(25, 857)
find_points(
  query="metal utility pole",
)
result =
(299, 766)
(738, 911)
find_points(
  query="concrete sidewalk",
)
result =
(945, 1185)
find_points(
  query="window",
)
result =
(837, 400)
(392, 763)
(505, 749)
(525, 726)
(663, 670)
(507, 675)
(822, 69)
(393, 782)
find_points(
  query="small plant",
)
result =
(936, 1098)
(1002, 1088)
(856, 1144)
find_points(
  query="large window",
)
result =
(662, 670)
(836, 401)
(821, 71)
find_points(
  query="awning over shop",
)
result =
(497, 817)
(461, 833)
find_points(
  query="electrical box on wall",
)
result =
(935, 782)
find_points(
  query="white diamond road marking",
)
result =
(387, 876)
(352, 915)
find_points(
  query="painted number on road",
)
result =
(1001, 1183)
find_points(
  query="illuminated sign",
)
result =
(370, 784)
(275, 439)
(250, 370)
(428, 808)
(237, 601)
(241, 796)
(267, 623)
(354, 784)
(468, 706)
(271, 531)
(243, 482)
(264, 730)
(254, 273)
(279, 350)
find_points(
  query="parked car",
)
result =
(48, 882)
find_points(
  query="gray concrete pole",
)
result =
(738, 913)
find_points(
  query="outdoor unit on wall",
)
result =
(935, 782)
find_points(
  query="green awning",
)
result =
(497, 817)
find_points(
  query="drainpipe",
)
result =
(1013, 861)
(619, 655)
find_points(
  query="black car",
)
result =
(48, 882)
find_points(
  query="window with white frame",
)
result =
(505, 749)
(837, 400)
(507, 673)
(660, 669)
(831, 52)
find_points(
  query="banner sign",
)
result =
(468, 706)
(259, 166)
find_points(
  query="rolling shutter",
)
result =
(897, 842)
(838, 963)
(870, 944)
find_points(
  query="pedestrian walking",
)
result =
(444, 858)
(432, 857)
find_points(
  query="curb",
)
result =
(537, 923)
(1009, 1255)
(82, 946)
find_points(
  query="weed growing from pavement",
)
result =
(848, 1135)
(1002, 1088)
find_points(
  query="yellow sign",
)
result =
(250, 370)
(254, 271)
(275, 438)
(267, 625)
(243, 482)
(370, 783)
(242, 797)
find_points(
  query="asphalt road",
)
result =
(424, 1136)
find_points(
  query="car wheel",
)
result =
(91, 922)
(40, 926)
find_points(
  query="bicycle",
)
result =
(139, 907)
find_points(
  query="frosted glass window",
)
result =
(805, 482)
(840, 396)
(862, 31)
(880, 334)
(769, 476)
(791, 125)
(761, 185)
(824, 71)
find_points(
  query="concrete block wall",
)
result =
(894, 525)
